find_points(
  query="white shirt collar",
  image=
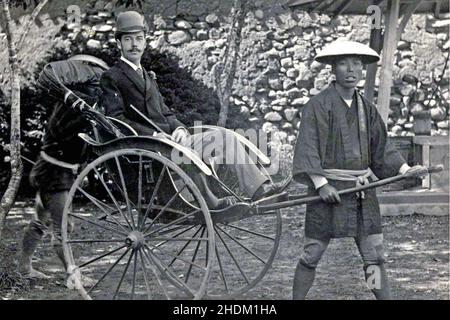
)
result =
(131, 64)
(348, 102)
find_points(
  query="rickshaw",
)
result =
(137, 226)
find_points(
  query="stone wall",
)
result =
(277, 74)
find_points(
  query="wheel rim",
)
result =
(137, 242)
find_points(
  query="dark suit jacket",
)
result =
(121, 86)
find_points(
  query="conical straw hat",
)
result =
(346, 48)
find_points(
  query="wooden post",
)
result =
(375, 44)
(389, 47)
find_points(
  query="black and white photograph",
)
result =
(231, 151)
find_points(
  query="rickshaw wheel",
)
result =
(245, 249)
(141, 241)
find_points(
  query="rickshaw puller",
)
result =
(342, 140)
(62, 152)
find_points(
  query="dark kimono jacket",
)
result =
(332, 137)
(61, 139)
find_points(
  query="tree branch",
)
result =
(406, 16)
(29, 23)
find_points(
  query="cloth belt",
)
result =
(360, 177)
(59, 163)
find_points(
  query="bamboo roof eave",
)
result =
(359, 7)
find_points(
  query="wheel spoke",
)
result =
(125, 192)
(178, 239)
(221, 268)
(100, 205)
(114, 223)
(241, 245)
(122, 277)
(187, 216)
(169, 274)
(160, 213)
(101, 256)
(108, 271)
(155, 272)
(183, 247)
(152, 198)
(94, 240)
(232, 256)
(184, 227)
(250, 231)
(113, 199)
(139, 201)
(176, 235)
(188, 273)
(144, 272)
(207, 249)
(133, 287)
(97, 224)
(177, 257)
(121, 191)
(171, 210)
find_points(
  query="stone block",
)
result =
(212, 19)
(294, 93)
(286, 62)
(288, 84)
(183, 24)
(273, 117)
(178, 37)
(290, 113)
(275, 83)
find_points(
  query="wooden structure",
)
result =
(424, 144)
(385, 41)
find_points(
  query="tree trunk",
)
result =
(224, 72)
(9, 196)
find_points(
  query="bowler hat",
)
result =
(347, 48)
(130, 21)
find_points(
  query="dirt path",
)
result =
(417, 253)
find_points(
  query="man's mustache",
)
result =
(134, 50)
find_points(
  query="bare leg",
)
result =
(55, 203)
(32, 236)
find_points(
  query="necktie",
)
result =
(140, 71)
